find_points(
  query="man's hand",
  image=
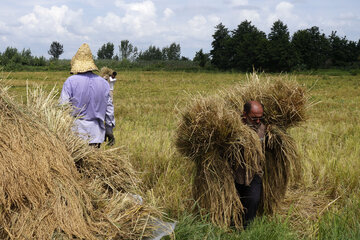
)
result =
(109, 135)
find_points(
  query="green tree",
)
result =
(152, 53)
(338, 53)
(126, 49)
(106, 51)
(281, 54)
(172, 52)
(134, 55)
(11, 55)
(39, 61)
(26, 58)
(201, 58)
(221, 51)
(56, 49)
(353, 51)
(342, 51)
(311, 47)
(248, 48)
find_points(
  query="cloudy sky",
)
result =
(36, 24)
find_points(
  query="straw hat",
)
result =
(83, 60)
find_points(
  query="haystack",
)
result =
(54, 186)
(212, 134)
(106, 72)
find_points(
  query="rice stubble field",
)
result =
(324, 204)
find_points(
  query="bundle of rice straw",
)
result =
(106, 72)
(54, 186)
(284, 100)
(211, 133)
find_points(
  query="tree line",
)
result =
(12, 59)
(246, 47)
(241, 49)
(131, 53)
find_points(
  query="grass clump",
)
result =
(197, 227)
(342, 223)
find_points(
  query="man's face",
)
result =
(254, 117)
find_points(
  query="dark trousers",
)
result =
(95, 145)
(250, 198)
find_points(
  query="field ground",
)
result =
(325, 204)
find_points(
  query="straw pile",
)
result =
(106, 72)
(212, 134)
(54, 186)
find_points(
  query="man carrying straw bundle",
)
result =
(244, 157)
(89, 95)
(249, 186)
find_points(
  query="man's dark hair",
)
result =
(114, 74)
(247, 107)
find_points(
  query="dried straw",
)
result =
(106, 72)
(209, 135)
(285, 101)
(54, 185)
(282, 162)
(212, 134)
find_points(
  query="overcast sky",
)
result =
(36, 24)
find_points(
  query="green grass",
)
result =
(263, 228)
(342, 224)
(147, 109)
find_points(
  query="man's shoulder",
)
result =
(79, 78)
(88, 75)
(102, 80)
(70, 80)
(74, 77)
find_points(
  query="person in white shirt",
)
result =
(112, 80)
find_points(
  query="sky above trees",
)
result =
(36, 24)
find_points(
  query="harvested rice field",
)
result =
(320, 203)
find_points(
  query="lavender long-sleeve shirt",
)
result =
(89, 95)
